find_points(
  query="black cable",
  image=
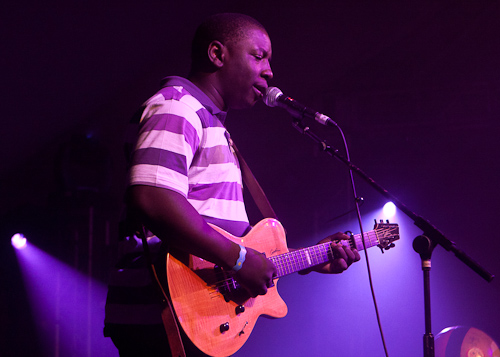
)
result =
(304, 129)
(356, 203)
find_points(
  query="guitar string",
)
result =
(295, 261)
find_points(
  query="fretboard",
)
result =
(305, 258)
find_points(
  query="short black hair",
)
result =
(226, 28)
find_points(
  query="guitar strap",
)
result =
(167, 313)
(253, 186)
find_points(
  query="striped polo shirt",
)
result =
(182, 145)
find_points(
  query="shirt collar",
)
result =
(195, 92)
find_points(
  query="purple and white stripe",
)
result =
(183, 147)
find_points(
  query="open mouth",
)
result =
(259, 91)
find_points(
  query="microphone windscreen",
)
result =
(272, 95)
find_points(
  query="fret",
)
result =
(305, 258)
(371, 240)
(301, 259)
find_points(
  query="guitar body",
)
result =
(203, 308)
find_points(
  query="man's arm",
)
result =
(171, 217)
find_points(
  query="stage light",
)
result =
(389, 210)
(19, 241)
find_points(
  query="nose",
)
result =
(267, 73)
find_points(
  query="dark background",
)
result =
(414, 85)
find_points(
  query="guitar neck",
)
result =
(305, 258)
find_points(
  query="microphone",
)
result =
(274, 98)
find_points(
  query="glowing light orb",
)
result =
(389, 210)
(18, 241)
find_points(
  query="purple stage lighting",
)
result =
(18, 241)
(67, 306)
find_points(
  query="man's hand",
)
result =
(343, 256)
(256, 274)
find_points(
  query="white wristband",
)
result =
(241, 258)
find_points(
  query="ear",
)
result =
(216, 53)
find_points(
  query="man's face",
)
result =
(246, 70)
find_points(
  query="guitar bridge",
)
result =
(228, 287)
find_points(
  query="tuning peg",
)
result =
(392, 245)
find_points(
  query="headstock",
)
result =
(386, 233)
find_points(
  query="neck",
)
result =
(305, 258)
(207, 83)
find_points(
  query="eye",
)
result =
(259, 57)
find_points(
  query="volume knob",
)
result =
(224, 327)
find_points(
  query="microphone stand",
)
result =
(423, 244)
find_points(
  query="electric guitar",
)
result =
(217, 314)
